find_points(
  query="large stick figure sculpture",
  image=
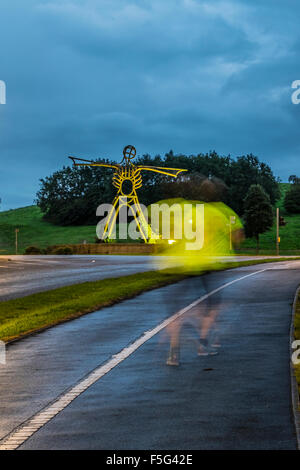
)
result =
(127, 179)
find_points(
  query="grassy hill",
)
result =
(35, 231)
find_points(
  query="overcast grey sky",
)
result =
(86, 77)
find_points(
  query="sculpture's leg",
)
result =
(136, 215)
(143, 226)
(122, 202)
(111, 218)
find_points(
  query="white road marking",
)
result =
(23, 432)
(292, 265)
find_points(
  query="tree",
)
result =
(71, 196)
(258, 215)
(294, 179)
(292, 199)
(245, 171)
(193, 186)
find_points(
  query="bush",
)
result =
(33, 250)
(62, 250)
(58, 250)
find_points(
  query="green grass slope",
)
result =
(35, 231)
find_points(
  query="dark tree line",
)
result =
(70, 196)
(292, 196)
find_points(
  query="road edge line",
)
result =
(294, 384)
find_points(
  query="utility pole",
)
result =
(17, 231)
(277, 231)
(231, 222)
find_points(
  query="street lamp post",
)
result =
(277, 231)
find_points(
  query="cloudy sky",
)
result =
(86, 77)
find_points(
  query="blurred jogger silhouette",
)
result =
(221, 229)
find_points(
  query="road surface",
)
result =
(24, 275)
(238, 399)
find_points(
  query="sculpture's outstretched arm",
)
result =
(82, 162)
(163, 170)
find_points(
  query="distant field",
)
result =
(35, 231)
(289, 235)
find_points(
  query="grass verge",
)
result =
(20, 317)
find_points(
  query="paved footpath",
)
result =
(239, 399)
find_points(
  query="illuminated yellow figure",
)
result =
(127, 179)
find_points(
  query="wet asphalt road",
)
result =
(239, 399)
(24, 275)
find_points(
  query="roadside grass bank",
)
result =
(26, 315)
(33, 230)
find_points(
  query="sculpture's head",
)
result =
(129, 152)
